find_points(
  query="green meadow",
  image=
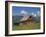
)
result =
(26, 27)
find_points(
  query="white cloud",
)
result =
(38, 13)
(24, 12)
(34, 15)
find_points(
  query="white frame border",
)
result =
(24, 31)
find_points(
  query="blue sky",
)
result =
(16, 10)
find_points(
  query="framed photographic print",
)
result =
(24, 18)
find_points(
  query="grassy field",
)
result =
(26, 27)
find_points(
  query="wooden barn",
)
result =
(28, 21)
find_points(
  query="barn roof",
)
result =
(24, 18)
